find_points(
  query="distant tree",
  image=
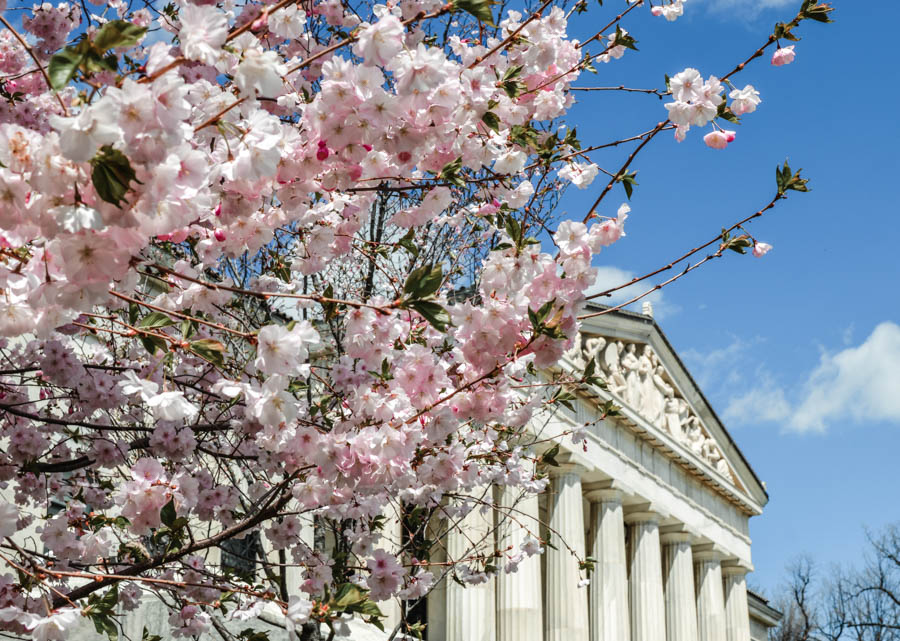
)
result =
(854, 604)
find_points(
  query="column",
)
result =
(737, 613)
(678, 587)
(608, 591)
(471, 608)
(710, 599)
(391, 540)
(566, 617)
(645, 586)
(436, 601)
(519, 606)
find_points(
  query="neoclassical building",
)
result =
(660, 499)
(659, 502)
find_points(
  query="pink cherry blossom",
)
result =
(783, 56)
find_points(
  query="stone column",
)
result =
(391, 540)
(710, 599)
(471, 609)
(519, 607)
(566, 616)
(645, 586)
(678, 587)
(737, 613)
(608, 591)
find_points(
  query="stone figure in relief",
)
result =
(576, 352)
(695, 436)
(615, 375)
(592, 348)
(673, 412)
(662, 395)
(630, 365)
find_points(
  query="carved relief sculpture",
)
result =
(640, 381)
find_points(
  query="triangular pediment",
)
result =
(647, 379)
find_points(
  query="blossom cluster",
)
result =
(267, 267)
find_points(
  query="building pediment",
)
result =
(647, 379)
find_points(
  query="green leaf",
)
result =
(622, 39)
(118, 33)
(727, 114)
(146, 636)
(210, 350)
(152, 343)
(329, 307)
(424, 281)
(155, 320)
(549, 457)
(628, 182)
(347, 595)
(167, 514)
(813, 10)
(408, 242)
(786, 180)
(450, 173)
(433, 313)
(481, 9)
(491, 120)
(63, 66)
(111, 174)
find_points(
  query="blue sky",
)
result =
(799, 351)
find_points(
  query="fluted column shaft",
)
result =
(608, 592)
(519, 606)
(737, 613)
(391, 540)
(645, 587)
(710, 598)
(566, 617)
(678, 587)
(471, 609)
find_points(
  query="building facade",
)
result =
(659, 500)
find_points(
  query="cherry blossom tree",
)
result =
(265, 264)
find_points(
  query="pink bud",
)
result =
(729, 135)
(783, 56)
(761, 249)
(322, 153)
(716, 139)
(367, 147)
(656, 11)
(220, 235)
(218, 211)
(355, 172)
(404, 157)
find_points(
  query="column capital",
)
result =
(567, 468)
(708, 552)
(739, 568)
(610, 491)
(647, 516)
(675, 537)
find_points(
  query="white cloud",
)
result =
(854, 385)
(608, 277)
(764, 403)
(743, 8)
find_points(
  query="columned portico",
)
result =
(566, 616)
(678, 572)
(737, 613)
(645, 587)
(710, 596)
(608, 591)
